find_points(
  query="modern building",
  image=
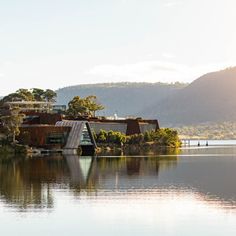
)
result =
(36, 106)
(67, 136)
(45, 126)
(126, 126)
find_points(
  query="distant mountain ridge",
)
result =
(125, 99)
(210, 98)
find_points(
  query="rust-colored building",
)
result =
(126, 126)
(44, 136)
(33, 118)
(67, 135)
(51, 131)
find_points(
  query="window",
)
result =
(55, 138)
(85, 137)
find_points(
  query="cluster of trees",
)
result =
(35, 94)
(11, 119)
(162, 137)
(84, 106)
(110, 137)
(78, 106)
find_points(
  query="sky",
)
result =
(58, 43)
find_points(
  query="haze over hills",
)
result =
(210, 98)
(125, 99)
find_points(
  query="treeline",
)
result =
(78, 106)
(162, 137)
(34, 94)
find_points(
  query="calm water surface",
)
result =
(191, 192)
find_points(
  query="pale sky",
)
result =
(57, 43)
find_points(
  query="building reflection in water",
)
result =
(29, 182)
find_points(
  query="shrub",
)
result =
(163, 137)
(135, 139)
(110, 137)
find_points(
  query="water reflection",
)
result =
(27, 183)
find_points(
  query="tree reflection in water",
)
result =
(27, 183)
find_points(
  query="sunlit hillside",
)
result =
(211, 98)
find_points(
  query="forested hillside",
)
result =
(125, 99)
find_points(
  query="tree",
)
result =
(83, 106)
(93, 105)
(35, 94)
(38, 94)
(19, 95)
(49, 95)
(11, 123)
(77, 107)
(25, 94)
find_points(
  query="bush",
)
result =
(101, 137)
(135, 139)
(110, 137)
(163, 137)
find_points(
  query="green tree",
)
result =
(35, 94)
(101, 137)
(49, 95)
(93, 105)
(11, 124)
(110, 137)
(25, 94)
(38, 94)
(77, 107)
(19, 95)
(83, 106)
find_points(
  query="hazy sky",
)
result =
(56, 43)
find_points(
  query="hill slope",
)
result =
(122, 98)
(211, 98)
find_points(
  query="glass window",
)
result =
(85, 138)
(55, 138)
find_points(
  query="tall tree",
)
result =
(11, 123)
(25, 94)
(49, 95)
(38, 94)
(93, 105)
(77, 107)
(83, 106)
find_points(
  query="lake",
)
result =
(188, 192)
